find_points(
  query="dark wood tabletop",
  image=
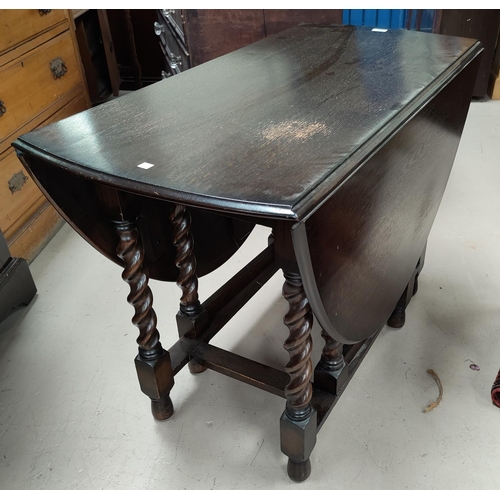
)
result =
(269, 129)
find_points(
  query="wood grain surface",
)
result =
(260, 130)
(365, 241)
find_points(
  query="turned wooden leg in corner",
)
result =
(420, 266)
(398, 317)
(153, 362)
(298, 424)
(331, 373)
(191, 316)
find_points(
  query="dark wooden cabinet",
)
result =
(169, 27)
(494, 81)
(97, 51)
(17, 287)
(189, 37)
(151, 44)
(139, 57)
(480, 24)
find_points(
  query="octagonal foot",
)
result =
(299, 471)
(162, 409)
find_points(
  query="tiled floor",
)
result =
(72, 415)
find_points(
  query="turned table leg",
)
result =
(190, 314)
(298, 424)
(153, 362)
(331, 373)
(398, 316)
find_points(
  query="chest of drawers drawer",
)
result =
(41, 81)
(19, 196)
(20, 25)
(33, 82)
(18, 193)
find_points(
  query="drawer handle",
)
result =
(17, 181)
(58, 68)
(159, 29)
(3, 109)
(44, 12)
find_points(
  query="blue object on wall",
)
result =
(424, 18)
(375, 18)
(389, 18)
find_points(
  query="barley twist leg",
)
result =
(299, 421)
(187, 281)
(153, 362)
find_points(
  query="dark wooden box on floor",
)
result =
(339, 139)
(17, 287)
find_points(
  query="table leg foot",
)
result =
(298, 471)
(154, 371)
(196, 368)
(415, 285)
(298, 438)
(397, 318)
(162, 409)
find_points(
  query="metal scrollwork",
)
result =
(3, 109)
(58, 68)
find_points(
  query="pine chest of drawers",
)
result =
(41, 82)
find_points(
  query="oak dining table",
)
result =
(339, 139)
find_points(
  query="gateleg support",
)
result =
(331, 381)
(191, 318)
(331, 373)
(193, 326)
(398, 316)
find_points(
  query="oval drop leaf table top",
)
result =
(269, 129)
